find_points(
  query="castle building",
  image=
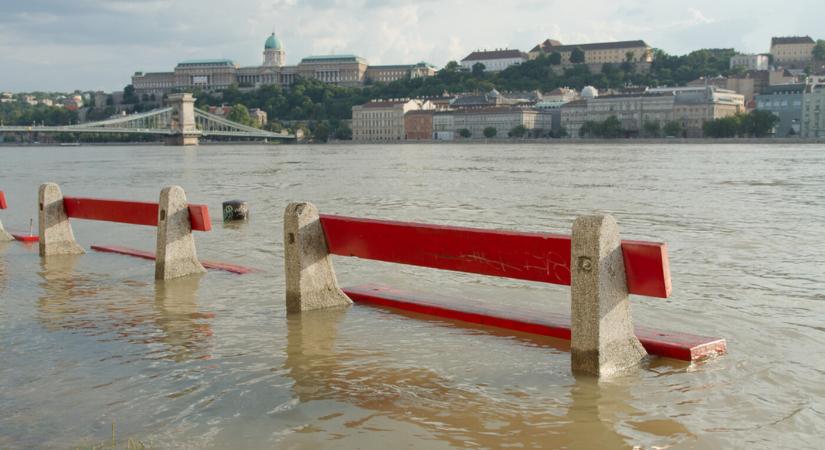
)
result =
(215, 74)
(792, 51)
(597, 53)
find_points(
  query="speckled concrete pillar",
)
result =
(4, 236)
(310, 278)
(175, 255)
(56, 236)
(603, 342)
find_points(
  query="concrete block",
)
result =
(310, 277)
(175, 254)
(56, 236)
(4, 236)
(603, 342)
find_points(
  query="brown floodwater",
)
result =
(214, 361)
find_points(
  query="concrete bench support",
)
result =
(175, 254)
(4, 236)
(603, 340)
(56, 236)
(310, 277)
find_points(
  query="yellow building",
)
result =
(383, 120)
(792, 51)
(597, 53)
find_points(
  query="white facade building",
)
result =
(494, 60)
(750, 62)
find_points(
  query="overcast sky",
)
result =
(97, 44)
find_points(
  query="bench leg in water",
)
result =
(176, 255)
(310, 277)
(603, 342)
(4, 236)
(56, 236)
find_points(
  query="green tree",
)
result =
(478, 69)
(819, 50)
(129, 96)
(518, 131)
(465, 133)
(577, 56)
(725, 127)
(240, 114)
(673, 128)
(758, 123)
(611, 128)
(321, 133)
(452, 66)
(554, 59)
(628, 57)
(490, 132)
(562, 133)
(652, 129)
(343, 133)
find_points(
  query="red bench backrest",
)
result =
(137, 213)
(539, 257)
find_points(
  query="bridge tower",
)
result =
(183, 120)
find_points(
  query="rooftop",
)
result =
(338, 58)
(791, 40)
(206, 62)
(551, 45)
(494, 54)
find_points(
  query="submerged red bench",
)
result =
(172, 215)
(10, 236)
(584, 260)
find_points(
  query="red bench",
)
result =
(10, 236)
(540, 257)
(172, 215)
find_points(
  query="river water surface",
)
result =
(214, 361)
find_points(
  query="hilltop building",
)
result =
(792, 51)
(494, 60)
(598, 53)
(214, 74)
(750, 62)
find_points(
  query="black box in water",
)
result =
(235, 210)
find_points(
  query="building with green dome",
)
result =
(215, 74)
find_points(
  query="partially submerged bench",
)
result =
(173, 216)
(4, 236)
(601, 270)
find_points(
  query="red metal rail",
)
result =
(683, 346)
(539, 257)
(3, 204)
(226, 267)
(136, 213)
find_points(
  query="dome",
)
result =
(273, 43)
(590, 92)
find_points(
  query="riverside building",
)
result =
(691, 107)
(785, 102)
(384, 120)
(215, 74)
(813, 111)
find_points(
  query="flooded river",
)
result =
(214, 362)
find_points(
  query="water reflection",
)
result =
(112, 310)
(3, 274)
(452, 411)
(187, 331)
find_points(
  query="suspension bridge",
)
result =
(181, 122)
